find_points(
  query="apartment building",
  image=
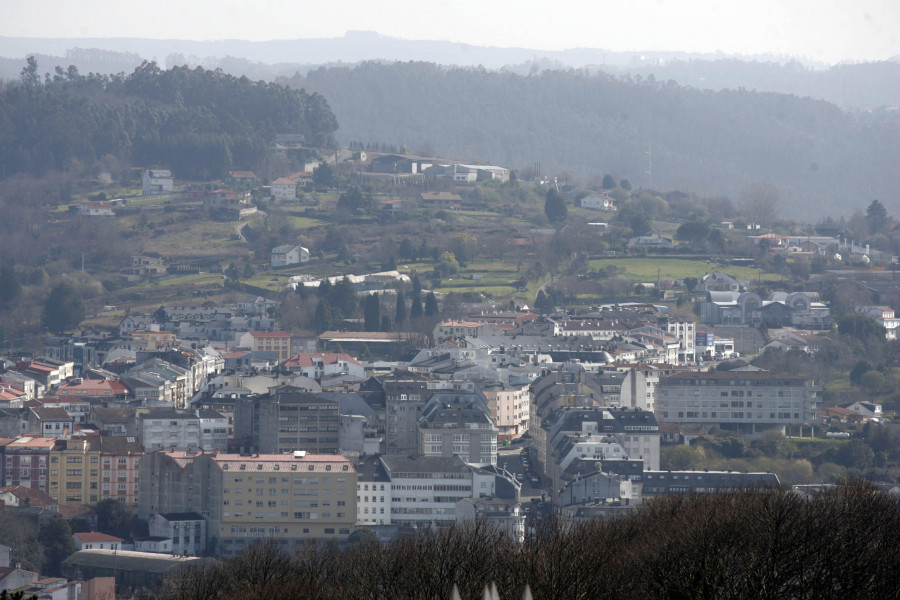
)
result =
(27, 462)
(458, 429)
(294, 498)
(744, 401)
(287, 419)
(86, 469)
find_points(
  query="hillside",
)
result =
(587, 125)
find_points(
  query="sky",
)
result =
(826, 31)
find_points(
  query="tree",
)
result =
(760, 203)
(416, 285)
(609, 182)
(415, 308)
(625, 185)
(431, 305)
(555, 207)
(63, 308)
(690, 283)
(542, 302)
(160, 316)
(400, 311)
(30, 76)
(323, 175)
(10, 286)
(694, 232)
(114, 518)
(56, 538)
(323, 317)
(351, 201)
(372, 313)
(18, 534)
(877, 217)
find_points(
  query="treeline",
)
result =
(748, 544)
(590, 124)
(197, 122)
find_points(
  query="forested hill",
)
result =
(821, 159)
(197, 122)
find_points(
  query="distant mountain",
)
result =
(822, 160)
(850, 86)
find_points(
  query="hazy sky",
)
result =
(823, 30)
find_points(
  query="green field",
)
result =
(645, 268)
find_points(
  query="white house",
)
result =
(94, 540)
(284, 189)
(287, 254)
(885, 317)
(97, 209)
(158, 181)
(599, 202)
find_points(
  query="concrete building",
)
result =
(185, 532)
(743, 401)
(286, 419)
(457, 429)
(425, 489)
(287, 255)
(505, 515)
(158, 181)
(27, 462)
(96, 540)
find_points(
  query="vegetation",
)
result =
(767, 544)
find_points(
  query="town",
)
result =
(353, 347)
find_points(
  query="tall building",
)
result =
(405, 396)
(457, 429)
(743, 401)
(293, 498)
(27, 462)
(287, 419)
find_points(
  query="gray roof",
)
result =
(424, 464)
(124, 560)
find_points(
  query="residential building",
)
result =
(500, 513)
(165, 428)
(295, 497)
(96, 208)
(49, 422)
(743, 401)
(322, 365)
(276, 342)
(287, 255)
(884, 316)
(599, 201)
(27, 462)
(510, 406)
(284, 189)
(96, 540)
(457, 429)
(373, 492)
(158, 181)
(441, 200)
(186, 532)
(405, 396)
(656, 483)
(425, 489)
(286, 419)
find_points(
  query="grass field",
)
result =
(645, 268)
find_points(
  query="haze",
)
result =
(830, 31)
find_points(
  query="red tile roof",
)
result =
(96, 536)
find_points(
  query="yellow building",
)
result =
(294, 497)
(86, 469)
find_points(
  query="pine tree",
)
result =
(372, 313)
(415, 309)
(400, 312)
(431, 305)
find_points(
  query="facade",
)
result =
(164, 428)
(458, 429)
(425, 489)
(96, 209)
(295, 497)
(603, 202)
(510, 407)
(286, 419)
(158, 181)
(884, 315)
(322, 365)
(185, 532)
(284, 189)
(286, 255)
(405, 396)
(373, 492)
(27, 462)
(96, 540)
(277, 342)
(505, 515)
(744, 401)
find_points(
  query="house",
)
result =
(884, 315)
(158, 181)
(284, 189)
(321, 365)
(242, 180)
(277, 342)
(743, 401)
(441, 200)
(95, 539)
(603, 202)
(97, 209)
(13, 578)
(186, 531)
(869, 410)
(49, 422)
(286, 255)
(147, 266)
(650, 242)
